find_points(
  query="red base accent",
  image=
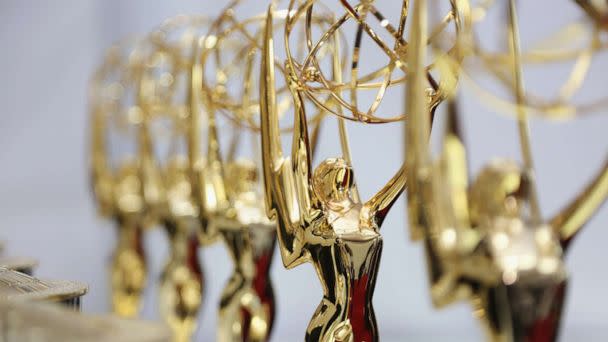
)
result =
(546, 329)
(357, 314)
(263, 288)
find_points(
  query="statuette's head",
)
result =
(499, 190)
(333, 183)
(242, 175)
(525, 253)
(178, 188)
(127, 193)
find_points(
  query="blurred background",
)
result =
(50, 49)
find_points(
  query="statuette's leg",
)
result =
(128, 271)
(181, 286)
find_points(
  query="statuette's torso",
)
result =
(346, 260)
(247, 303)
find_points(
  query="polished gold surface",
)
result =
(486, 241)
(320, 218)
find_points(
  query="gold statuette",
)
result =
(125, 188)
(247, 304)
(228, 191)
(164, 89)
(230, 194)
(182, 281)
(485, 241)
(320, 219)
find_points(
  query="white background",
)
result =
(48, 51)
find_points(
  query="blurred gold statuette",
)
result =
(123, 187)
(164, 91)
(227, 190)
(486, 242)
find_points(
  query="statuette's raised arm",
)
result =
(101, 174)
(301, 157)
(568, 222)
(379, 205)
(149, 174)
(215, 166)
(207, 173)
(419, 169)
(437, 190)
(283, 196)
(451, 180)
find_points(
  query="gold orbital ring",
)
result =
(113, 89)
(165, 84)
(242, 109)
(116, 113)
(559, 107)
(459, 15)
(192, 24)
